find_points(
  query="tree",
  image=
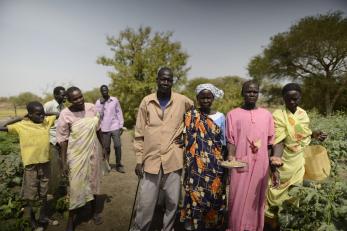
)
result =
(22, 99)
(313, 50)
(231, 85)
(137, 56)
(92, 95)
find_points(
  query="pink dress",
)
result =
(247, 128)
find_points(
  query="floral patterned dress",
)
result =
(204, 200)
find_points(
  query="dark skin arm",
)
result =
(139, 170)
(52, 114)
(275, 162)
(3, 128)
(63, 151)
(98, 134)
(231, 151)
(319, 135)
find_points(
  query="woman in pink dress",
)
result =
(249, 133)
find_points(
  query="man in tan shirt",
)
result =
(159, 155)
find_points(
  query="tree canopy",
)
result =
(23, 98)
(314, 50)
(137, 56)
(92, 95)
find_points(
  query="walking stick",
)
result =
(134, 204)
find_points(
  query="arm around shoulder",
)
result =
(3, 129)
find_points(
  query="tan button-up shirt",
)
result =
(156, 130)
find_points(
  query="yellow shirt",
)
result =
(33, 139)
(156, 130)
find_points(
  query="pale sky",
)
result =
(48, 43)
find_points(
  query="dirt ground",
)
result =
(118, 193)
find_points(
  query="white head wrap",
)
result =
(217, 93)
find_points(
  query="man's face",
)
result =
(37, 115)
(251, 93)
(165, 81)
(104, 91)
(60, 97)
(77, 100)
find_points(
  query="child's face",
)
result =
(37, 115)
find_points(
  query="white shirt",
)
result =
(53, 107)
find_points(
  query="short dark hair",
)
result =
(70, 90)
(162, 69)
(103, 86)
(291, 87)
(247, 83)
(56, 90)
(33, 104)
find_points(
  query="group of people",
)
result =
(174, 138)
(75, 138)
(180, 150)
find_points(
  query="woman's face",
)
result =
(205, 99)
(77, 100)
(292, 100)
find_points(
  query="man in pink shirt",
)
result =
(111, 124)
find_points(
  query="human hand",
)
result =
(275, 178)
(102, 100)
(231, 158)
(319, 135)
(276, 161)
(179, 141)
(65, 170)
(139, 170)
(122, 130)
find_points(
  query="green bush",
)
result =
(8, 144)
(321, 207)
(11, 173)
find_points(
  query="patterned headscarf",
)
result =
(217, 93)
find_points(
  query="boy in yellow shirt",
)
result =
(33, 131)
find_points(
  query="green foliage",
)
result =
(231, 85)
(24, 98)
(15, 225)
(92, 95)
(312, 90)
(336, 145)
(8, 144)
(319, 207)
(11, 171)
(271, 93)
(137, 56)
(62, 204)
(314, 48)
